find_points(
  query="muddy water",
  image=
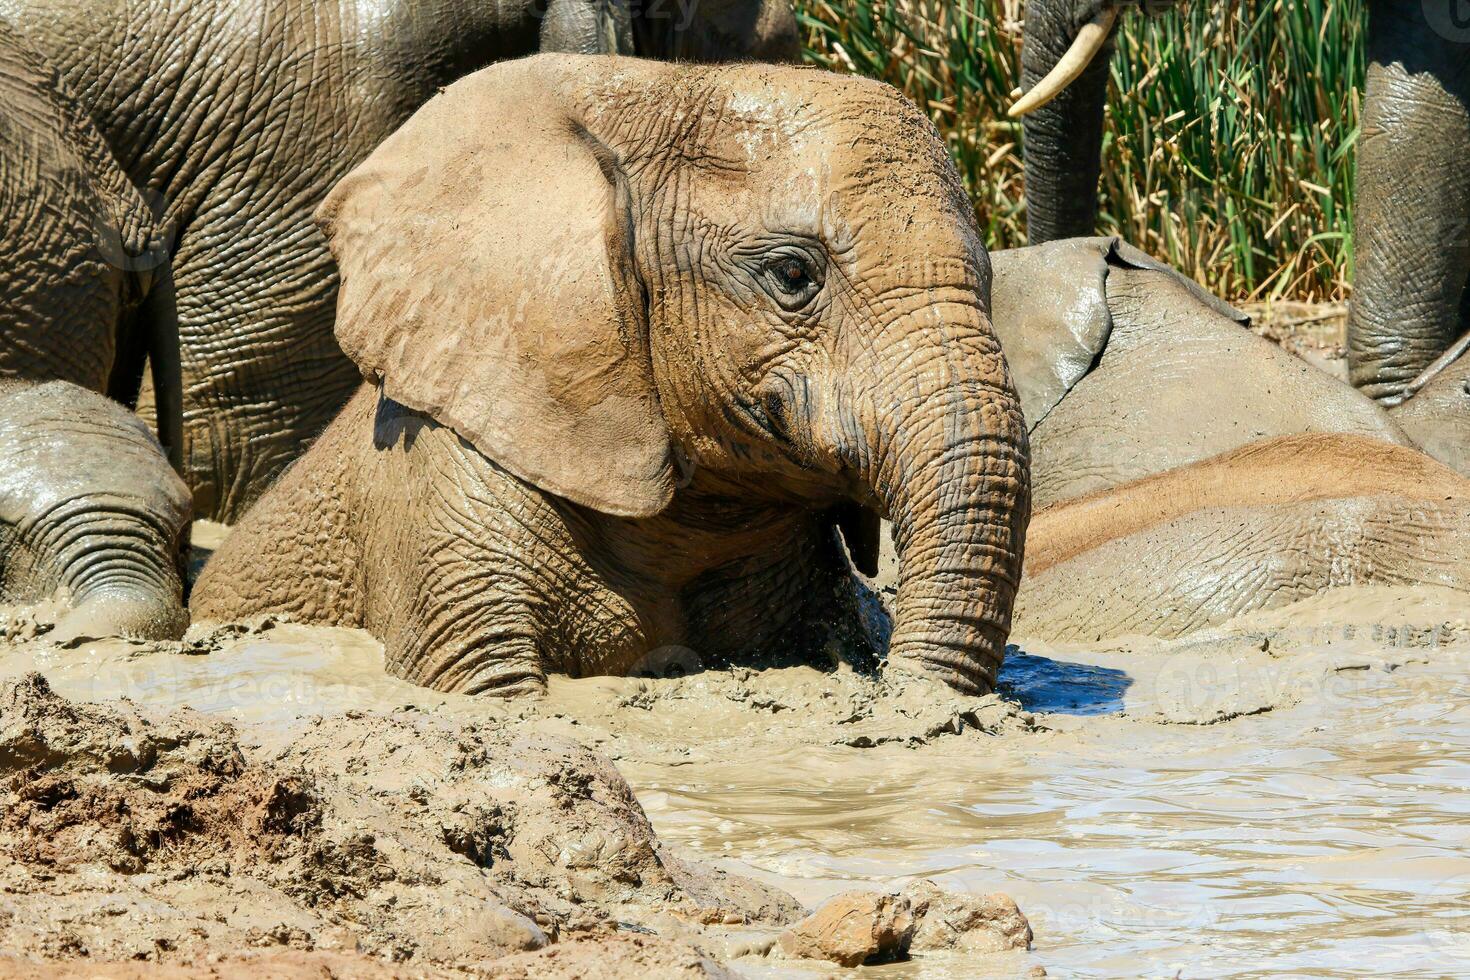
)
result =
(1307, 840)
(1286, 795)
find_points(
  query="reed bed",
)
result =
(1229, 137)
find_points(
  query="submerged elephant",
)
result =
(1412, 212)
(234, 117)
(90, 509)
(1127, 368)
(1260, 526)
(622, 409)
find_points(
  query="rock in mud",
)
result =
(852, 929)
(611, 957)
(974, 923)
(411, 839)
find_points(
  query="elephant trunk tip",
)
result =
(970, 665)
(109, 613)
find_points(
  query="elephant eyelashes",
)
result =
(793, 279)
(774, 408)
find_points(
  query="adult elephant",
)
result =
(91, 512)
(232, 118)
(624, 415)
(1412, 216)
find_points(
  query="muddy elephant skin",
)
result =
(91, 512)
(1125, 368)
(234, 117)
(570, 455)
(1437, 417)
(1260, 526)
(1412, 212)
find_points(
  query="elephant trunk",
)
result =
(954, 477)
(1063, 138)
(118, 563)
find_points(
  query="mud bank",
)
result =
(382, 839)
(1282, 793)
(134, 835)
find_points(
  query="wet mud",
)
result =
(1285, 793)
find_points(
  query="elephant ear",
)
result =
(487, 280)
(1049, 306)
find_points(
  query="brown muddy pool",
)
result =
(1287, 795)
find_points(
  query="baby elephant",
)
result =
(638, 338)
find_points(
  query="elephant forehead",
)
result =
(866, 135)
(895, 212)
(821, 153)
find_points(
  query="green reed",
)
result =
(1229, 137)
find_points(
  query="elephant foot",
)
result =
(121, 614)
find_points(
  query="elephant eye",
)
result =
(792, 274)
(793, 279)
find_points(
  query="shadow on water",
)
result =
(196, 561)
(1062, 687)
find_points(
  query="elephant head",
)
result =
(630, 283)
(1127, 368)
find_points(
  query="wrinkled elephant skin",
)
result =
(1437, 417)
(237, 116)
(91, 513)
(1258, 527)
(579, 457)
(1126, 368)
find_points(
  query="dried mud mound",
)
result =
(408, 838)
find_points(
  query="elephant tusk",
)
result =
(1085, 46)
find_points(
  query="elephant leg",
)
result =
(587, 27)
(90, 510)
(387, 524)
(262, 374)
(1412, 221)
